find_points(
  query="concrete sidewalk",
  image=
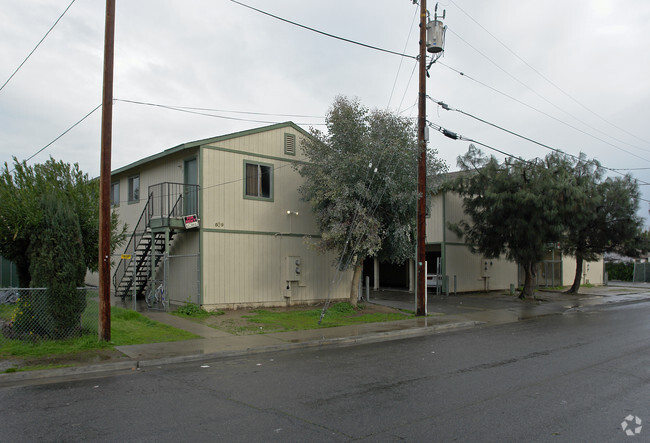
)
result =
(445, 314)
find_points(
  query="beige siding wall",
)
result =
(435, 220)
(250, 270)
(467, 268)
(224, 205)
(454, 213)
(167, 169)
(183, 283)
(592, 272)
(245, 242)
(445, 207)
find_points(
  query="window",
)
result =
(289, 144)
(134, 188)
(115, 194)
(259, 181)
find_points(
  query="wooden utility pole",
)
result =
(105, 178)
(421, 278)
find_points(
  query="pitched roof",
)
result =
(194, 144)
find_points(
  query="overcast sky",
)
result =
(571, 74)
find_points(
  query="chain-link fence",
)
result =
(641, 272)
(47, 314)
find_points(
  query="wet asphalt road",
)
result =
(572, 377)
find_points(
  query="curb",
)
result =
(327, 342)
(10, 379)
(54, 375)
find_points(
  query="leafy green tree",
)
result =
(510, 208)
(620, 271)
(21, 212)
(361, 182)
(57, 264)
(600, 216)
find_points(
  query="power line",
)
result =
(449, 108)
(456, 136)
(541, 96)
(546, 78)
(402, 59)
(461, 73)
(64, 133)
(188, 110)
(227, 110)
(630, 169)
(324, 33)
(415, 65)
(446, 107)
(37, 45)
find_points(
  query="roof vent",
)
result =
(290, 144)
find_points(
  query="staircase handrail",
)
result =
(172, 213)
(140, 228)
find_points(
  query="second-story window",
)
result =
(134, 188)
(258, 181)
(115, 193)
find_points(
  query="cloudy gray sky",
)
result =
(571, 74)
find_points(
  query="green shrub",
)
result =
(620, 271)
(190, 309)
(57, 263)
(343, 308)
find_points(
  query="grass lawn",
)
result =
(340, 314)
(127, 328)
(260, 321)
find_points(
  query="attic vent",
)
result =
(290, 144)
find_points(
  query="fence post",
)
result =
(367, 288)
(135, 281)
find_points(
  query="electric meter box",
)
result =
(293, 268)
(486, 268)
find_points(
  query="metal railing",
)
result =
(173, 200)
(164, 201)
(134, 241)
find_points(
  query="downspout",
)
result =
(443, 246)
(200, 209)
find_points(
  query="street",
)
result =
(571, 377)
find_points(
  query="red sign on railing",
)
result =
(191, 221)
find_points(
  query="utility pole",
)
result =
(421, 278)
(105, 178)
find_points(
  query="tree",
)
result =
(601, 216)
(21, 212)
(57, 265)
(511, 208)
(361, 183)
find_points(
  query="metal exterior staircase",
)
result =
(165, 204)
